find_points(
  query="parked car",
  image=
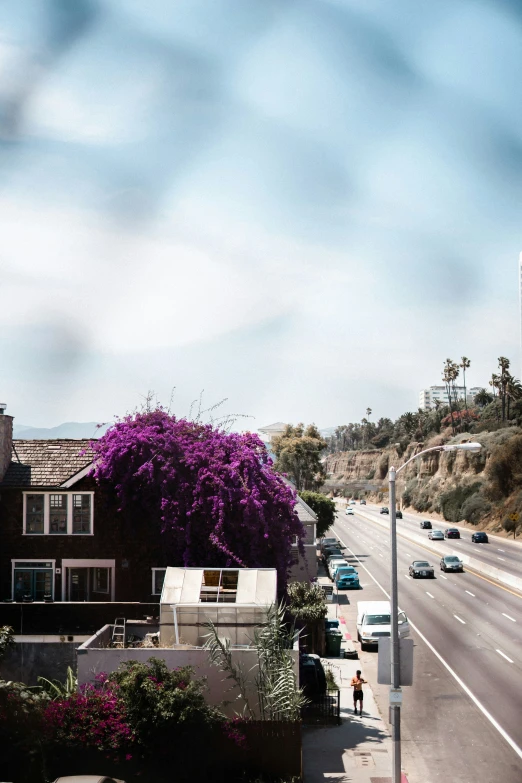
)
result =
(312, 677)
(325, 542)
(347, 578)
(451, 563)
(349, 511)
(384, 510)
(334, 567)
(451, 532)
(421, 568)
(479, 538)
(436, 535)
(362, 502)
(425, 524)
(398, 515)
(332, 549)
(373, 622)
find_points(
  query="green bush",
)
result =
(382, 468)
(474, 508)
(452, 501)
(505, 468)
(324, 507)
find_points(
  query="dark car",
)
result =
(362, 502)
(312, 676)
(451, 532)
(398, 515)
(425, 524)
(385, 510)
(421, 568)
(479, 538)
(451, 563)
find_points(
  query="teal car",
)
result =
(347, 578)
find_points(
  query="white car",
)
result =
(335, 566)
(373, 622)
(349, 511)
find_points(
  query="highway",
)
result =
(462, 724)
(500, 553)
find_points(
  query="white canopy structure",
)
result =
(234, 599)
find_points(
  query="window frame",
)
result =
(15, 567)
(47, 512)
(154, 569)
(95, 584)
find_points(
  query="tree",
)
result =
(513, 392)
(450, 374)
(464, 365)
(324, 508)
(213, 494)
(503, 364)
(483, 397)
(298, 451)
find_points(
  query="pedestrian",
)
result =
(357, 683)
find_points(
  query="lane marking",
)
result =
(504, 655)
(459, 619)
(503, 733)
(407, 577)
(501, 558)
(443, 577)
(430, 595)
(472, 594)
(501, 550)
(380, 554)
(509, 618)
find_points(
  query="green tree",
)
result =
(503, 364)
(450, 373)
(483, 397)
(465, 365)
(298, 454)
(324, 508)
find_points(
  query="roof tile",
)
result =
(46, 463)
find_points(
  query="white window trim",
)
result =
(153, 579)
(16, 560)
(111, 564)
(47, 513)
(96, 588)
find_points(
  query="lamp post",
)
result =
(395, 687)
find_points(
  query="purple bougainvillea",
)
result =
(215, 494)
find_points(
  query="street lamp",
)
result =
(395, 688)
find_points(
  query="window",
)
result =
(50, 513)
(33, 579)
(57, 513)
(219, 586)
(101, 580)
(34, 519)
(81, 514)
(158, 577)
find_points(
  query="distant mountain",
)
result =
(71, 429)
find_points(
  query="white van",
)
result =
(373, 622)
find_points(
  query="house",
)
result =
(272, 431)
(304, 568)
(62, 538)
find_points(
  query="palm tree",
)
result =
(495, 385)
(483, 397)
(465, 364)
(503, 364)
(450, 374)
(513, 391)
(368, 412)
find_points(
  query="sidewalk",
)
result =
(357, 751)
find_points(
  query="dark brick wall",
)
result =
(116, 536)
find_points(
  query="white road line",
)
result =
(455, 676)
(430, 595)
(380, 554)
(472, 594)
(501, 558)
(501, 550)
(508, 617)
(504, 655)
(459, 619)
(443, 577)
(407, 577)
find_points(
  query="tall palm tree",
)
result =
(450, 374)
(483, 397)
(513, 391)
(503, 364)
(464, 365)
(368, 412)
(495, 385)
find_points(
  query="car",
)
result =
(384, 510)
(373, 622)
(353, 502)
(362, 502)
(331, 556)
(425, 524)
(334, 567)
(330, 549)
(346, 578)
(326, 542)
(451, 532)
(479, 538)
(451, 563)
(349, 511)
(436, 535)
(398, 515)
(312, 677)
(421, 568)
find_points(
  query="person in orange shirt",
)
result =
(357, 683)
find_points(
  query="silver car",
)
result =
(451, 563)
(436, 535)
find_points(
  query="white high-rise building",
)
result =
(429, 397)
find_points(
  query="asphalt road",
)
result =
(451, 730)
(501, 553)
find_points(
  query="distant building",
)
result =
(428, 398)
(272, 431)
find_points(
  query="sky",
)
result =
(302, 206)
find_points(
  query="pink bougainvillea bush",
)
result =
(215, 493)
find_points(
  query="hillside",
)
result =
(481, 489)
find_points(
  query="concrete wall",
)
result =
(28, 660)
(220, 691)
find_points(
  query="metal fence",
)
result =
(324, 710)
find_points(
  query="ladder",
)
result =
(118, 632)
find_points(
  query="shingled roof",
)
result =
(46, 463)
